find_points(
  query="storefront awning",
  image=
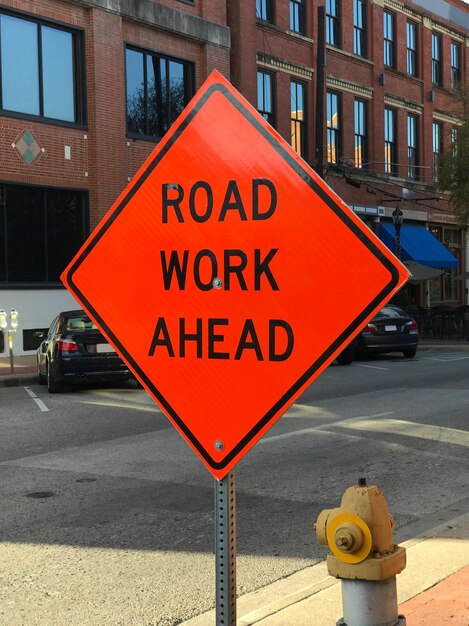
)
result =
(418, 244)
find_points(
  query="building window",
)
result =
(360, 125)
(265, 10)
(455, 64)
(298, 118)
(265, 96)
(359, 27)
(333, 127)
(42, 70)
(412, 55)
(333, 23)
(297, 16)
(158, 89)
(437, 143)
(454, 140)
(390, 147)
(412, 147)
(49, 224)
(388, 32)
(436, 59)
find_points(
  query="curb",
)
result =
(17, 380)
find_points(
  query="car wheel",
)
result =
(53, 385)
(409, 354)
(41, 378)
(345, 357)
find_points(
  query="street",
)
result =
(107, 515)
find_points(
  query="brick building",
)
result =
(88, 87)
(390, 72)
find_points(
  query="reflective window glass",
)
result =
(57, 62)
(20, 69)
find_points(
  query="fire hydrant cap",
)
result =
(349, 538)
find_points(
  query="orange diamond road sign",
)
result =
(228, 275)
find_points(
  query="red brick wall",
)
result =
(103, 158)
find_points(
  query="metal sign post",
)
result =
(225, 550)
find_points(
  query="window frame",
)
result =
(82, 197)
(389, 18)
(333, 23)
(360, 47)
(266, 11)
(437, 145)
(390, 142)
(269, 116)
(455, 69)
(360, 129)
(412, 146)
(189, 88)
(412, 57)
(333, 133)
(298, 16)
(299, 125)
(78, 71)
(437, 77)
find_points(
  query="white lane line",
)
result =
(446, 359)
(305, 431)
(373, 367)
(37, 400)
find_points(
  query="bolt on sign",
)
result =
(228, 275)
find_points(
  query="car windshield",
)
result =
(391, 311)
(80, 322)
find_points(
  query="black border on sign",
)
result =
(297, 167)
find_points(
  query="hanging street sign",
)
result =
(228, 275)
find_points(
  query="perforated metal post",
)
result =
(225, 550)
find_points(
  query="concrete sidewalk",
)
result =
(432, 590)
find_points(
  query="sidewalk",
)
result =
(432, 590)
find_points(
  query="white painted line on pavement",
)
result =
(37, 400)
(305, 431)
(373, 367)
(447, 359)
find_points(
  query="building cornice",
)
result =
(450, 118)
(275, 63)
(165, 18)
(402, 8)
(348, 86)
(401, 103)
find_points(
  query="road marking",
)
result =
(306, 431)
(37, 400)
(447, 359)
(441, 434)
(373, 367)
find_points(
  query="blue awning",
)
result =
(417, 244)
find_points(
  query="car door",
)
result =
(44, 347)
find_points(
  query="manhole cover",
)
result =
(40, 494)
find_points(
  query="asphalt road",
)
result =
(106, 515)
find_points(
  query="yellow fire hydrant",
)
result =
(364, 556)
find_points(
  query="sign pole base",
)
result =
(225, 550)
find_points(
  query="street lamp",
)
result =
(397, 219)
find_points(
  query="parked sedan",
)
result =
(75, 351)
(391, 330)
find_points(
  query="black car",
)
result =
(390, 330)
(75, 351)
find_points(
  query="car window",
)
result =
(80, 322)
(52, 328)
(391, 311)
